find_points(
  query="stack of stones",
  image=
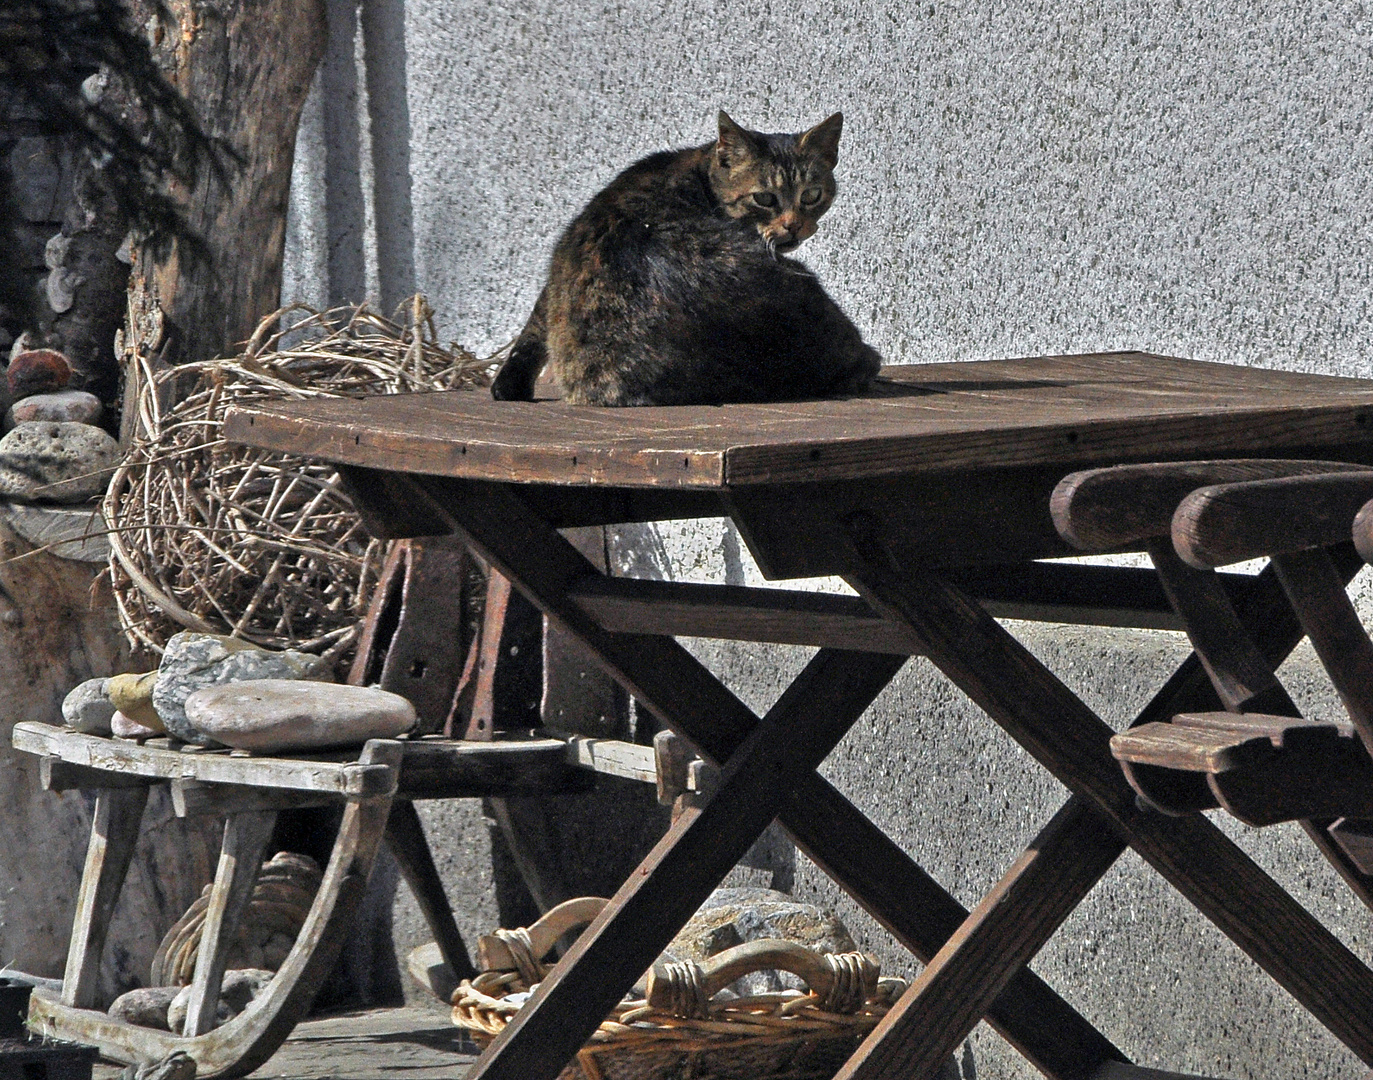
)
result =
(216, 691)
(54, 449)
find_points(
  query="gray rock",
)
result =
(125, 728)
(88, 708)
(236, 993)
(69, 532)
(194, 661)
(64, 463)
(146, 1007)
(279, 714)
(730, 917)
(63, 406)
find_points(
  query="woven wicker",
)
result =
(779, 1036)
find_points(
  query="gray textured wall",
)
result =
(1015, 179)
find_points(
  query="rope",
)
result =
(522, 952)
(847, 994)
(686, 986)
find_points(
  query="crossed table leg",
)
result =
(769, 770)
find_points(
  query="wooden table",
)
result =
(930, 497)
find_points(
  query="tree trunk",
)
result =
(245, 66)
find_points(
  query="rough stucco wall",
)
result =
(1015, 180)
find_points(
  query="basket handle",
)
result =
(501, 951)
(842, 981)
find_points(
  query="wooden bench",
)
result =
(406, 647)
(1258, 759)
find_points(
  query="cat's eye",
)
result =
(811, 196)
(765, 198)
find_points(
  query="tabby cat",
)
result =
(673, 287)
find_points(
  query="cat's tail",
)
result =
(515, 380)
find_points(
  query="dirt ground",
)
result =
(417, 1042)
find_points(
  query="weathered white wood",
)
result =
(245, 836)
(196, 798)
(613, 757)
(54, 774)
(250, 1038)
(114, 831)
(123, 756)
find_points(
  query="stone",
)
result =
(59, 407)
(53, 462)
(236, 993)
(133, 696)
(88, 708)
(282, 714)
(146, 1007)
(68, 532)
(37, 371)
(428, 968)
(194, 661)
(124, 728)
(731, 917)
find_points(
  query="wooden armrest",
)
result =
(1263, 769)
(1100, 509)
(1363, 532)
(1227, 523)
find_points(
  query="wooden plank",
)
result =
(613, 758)
(676, 877)
(1172, 746)
(1228, 523)
(245, 837)
(1097, 509)
(1006, 929)
(54, 774)
(405, 837)
(1055, 727)
(195, 798)
(132, 759)
(436, 768)
(1062, 410)
(115, 823)
(682, 693)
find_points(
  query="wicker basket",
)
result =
(681, 1026)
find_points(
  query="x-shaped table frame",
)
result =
(975, 961)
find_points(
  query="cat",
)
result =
(673, 286)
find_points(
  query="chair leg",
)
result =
(245, 838)
(405, 837)
(114, 832)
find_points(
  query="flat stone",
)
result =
(428, 968)
(88, 708)
(236, 993)
(37, 371)
(194, 661)
(68, 532)
(62, 406)
(65, 463)
(281, 714)
(146, 1007)
(731, 917)
(124, 728)
(132, 695)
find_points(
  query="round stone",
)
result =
(236, 993)
(61, 407)
(37, 371)
(146, 1007)
(124, 728)
(88, 708)
(132, 695)
(272, 715)
(193, 661)
(56, 462)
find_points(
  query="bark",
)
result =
(245, 66)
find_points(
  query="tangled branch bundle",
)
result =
(227, 539)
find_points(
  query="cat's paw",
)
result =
(511, 384)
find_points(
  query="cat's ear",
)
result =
(735, 144)
(823, 139)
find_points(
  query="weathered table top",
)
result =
(1064, 410)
